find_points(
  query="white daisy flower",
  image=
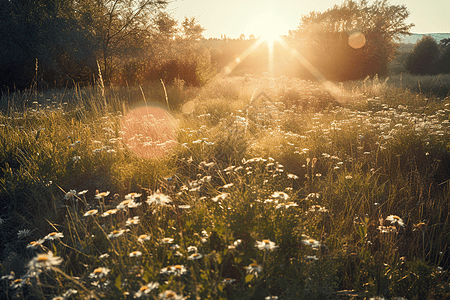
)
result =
(46, 261)
(266, 245)
(195, 256)
(146, 289)
(176, 270)
(311, 242)
(23, 233)
(167, 241)
(143, 237)
(99, 272)
(192, 249)
(395, 219)
(70, 194)
(130, 203)
(90, 212)
(109, 212)
(101, 195)
(292, 176)
(132, 196)
(135, 254)
(132, 221)
(170, 295)
(220, 197)
(17, 283)
(117, 233)
(35, 244)
(226, 186)
(54, 236)
(280, 195)
(254, 269)
(158, 199)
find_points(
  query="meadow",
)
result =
(247, 188)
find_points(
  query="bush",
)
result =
(444, 61)
(423, 58)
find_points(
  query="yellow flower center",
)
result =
(170, 295)
(178, 267)
(143, 288)
(420, 225)
(52, 234)
(253, 265)
(98, 270)
(266, 241)
(42, 258)
(116, 231)
(142, 236)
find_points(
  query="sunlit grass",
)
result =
(270, 188)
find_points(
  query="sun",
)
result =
(266, 26)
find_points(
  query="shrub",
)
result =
(444, 61)
(423, 58)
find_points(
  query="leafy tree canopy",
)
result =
(422, 60)
(323, 37)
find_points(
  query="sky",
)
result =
(235, 17)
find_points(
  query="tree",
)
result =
(172, 53)
(424, 56)
(192, 30)
(326, 38)
(68, 38)
(43, 33)
(444, 61)
(119, 26)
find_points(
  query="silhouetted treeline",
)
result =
(428, 57)
(348, 41)
(46, 42)
(54, 43)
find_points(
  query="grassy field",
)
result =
(248, 188)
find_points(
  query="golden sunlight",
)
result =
(267, 26)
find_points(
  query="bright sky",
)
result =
(234, 17)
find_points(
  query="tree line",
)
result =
(429, 57)
(54, 43)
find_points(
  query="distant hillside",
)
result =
(412, 39)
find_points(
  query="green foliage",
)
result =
(172, 53)
(325, 39)
(422, 60)
(259, 196)
(443, 65)
(77, 43)
(44, 43)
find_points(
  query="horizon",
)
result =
(233, 18)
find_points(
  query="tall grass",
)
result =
(270, 189)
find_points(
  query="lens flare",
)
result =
(148, 131)
(356, 40)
